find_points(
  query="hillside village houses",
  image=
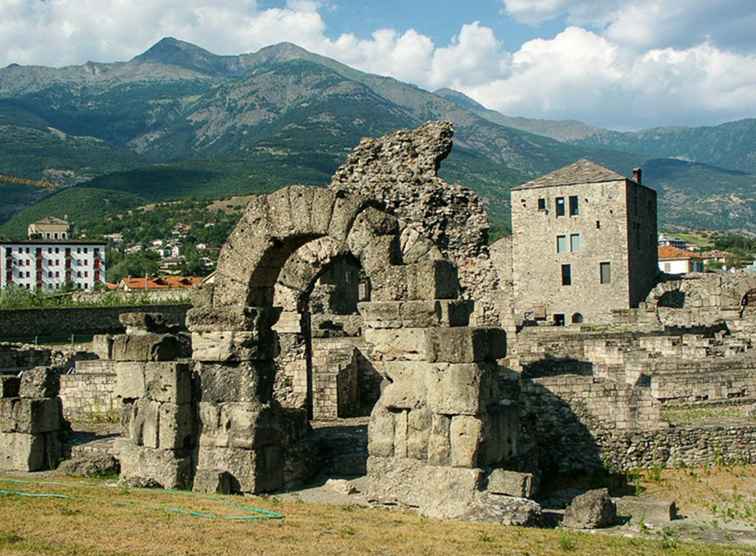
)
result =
(49, 260)
(673, 260)
(584, 244)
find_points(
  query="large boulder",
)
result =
(592, 510)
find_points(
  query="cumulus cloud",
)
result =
(621, 63)
(580, 74)
(650, 23)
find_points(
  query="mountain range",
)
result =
(179, 121)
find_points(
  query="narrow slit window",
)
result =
(574, 205)
(561, 244)
(560, 210)
(605, 270)
(574, 242)
(566, 275)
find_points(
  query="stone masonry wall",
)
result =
(89, 393)
(26, 324)
(603, 230)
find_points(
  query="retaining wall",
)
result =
(62, 323)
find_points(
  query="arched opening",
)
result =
(674, 299)
(344, 383)
(577, 318)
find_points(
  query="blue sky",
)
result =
(439, 20)
(622, 64)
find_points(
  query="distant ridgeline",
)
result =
(181, 122)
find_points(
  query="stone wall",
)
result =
(26, 324)
(31, 421)
(605, 225)
(14, 357)
(89, 393)
(680, 446)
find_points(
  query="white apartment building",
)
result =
(51, 265)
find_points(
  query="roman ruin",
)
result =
(378, 298)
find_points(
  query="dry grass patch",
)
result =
(727, 492)
(101, 519)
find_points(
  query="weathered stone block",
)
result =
(511, 483)
(130, 380)
(212, 481)
(436, 313)
(235, 317)
(168, 382)
(400, 434)
(145, 466)
(381, 314)
(230, 347)
(465, 437)
(31, 416)
(41, 382)
(419, 424)
(437, 491)
(147, 347)
(406, 388)
(9, 386)
(146, 323)
(500, 434)
(102, 346)
(439, 443)
(465, 345)
(430, 280)
(505, 510)
(224, 383)
(241, 425)
(27, 452)
(454, 389)
(408, 344)
(646, 510)
(381, 433)
(592, 510)
(251, 471)
(144, 423)
(177, 429)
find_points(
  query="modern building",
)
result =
(584, 244)
(50, 265)
(679, 261)
(49, 228)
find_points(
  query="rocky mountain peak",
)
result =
(173, 52)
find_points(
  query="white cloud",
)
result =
(650, 23)
(580, 74)
(623, 63)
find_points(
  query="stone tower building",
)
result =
(584, 244)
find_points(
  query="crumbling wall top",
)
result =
(401, 171)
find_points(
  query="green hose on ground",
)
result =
(4, 492)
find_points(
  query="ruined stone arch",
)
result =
(415, 321)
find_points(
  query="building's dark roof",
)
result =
(582, 171)
(43, 242)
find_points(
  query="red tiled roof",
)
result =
(668, 252)
(163, 283)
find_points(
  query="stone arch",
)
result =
(673, 299)
(265, 273)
